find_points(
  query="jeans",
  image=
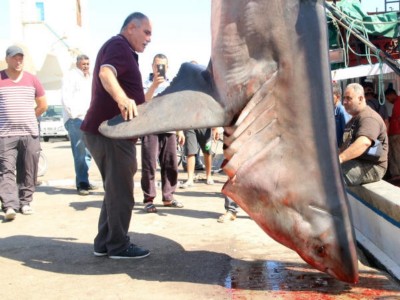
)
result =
(231, 205)
(357, 172)
(81, 154)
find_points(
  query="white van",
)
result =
(52, 124)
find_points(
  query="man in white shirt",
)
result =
(76, 95)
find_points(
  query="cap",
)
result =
(14, 50)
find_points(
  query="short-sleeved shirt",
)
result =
(160, 88)
(17, 105)
(379, 108)
(370, 124)
(118, 55)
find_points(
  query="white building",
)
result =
(52, 33)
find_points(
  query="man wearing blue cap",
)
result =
(22, 101)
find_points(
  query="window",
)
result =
(40, 11)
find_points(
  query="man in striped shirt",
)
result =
(22, 100)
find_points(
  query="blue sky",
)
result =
(181, 28)
(4, 19)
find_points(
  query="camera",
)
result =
(161, 70)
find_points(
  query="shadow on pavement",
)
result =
(52, 190)
(169, 262)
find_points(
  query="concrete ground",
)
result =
(48, 255)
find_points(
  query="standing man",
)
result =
(391, 98)
(117, 89)
(341, 116)
(76, 93)
(202, 137)
(22, 101)
(394, 135)
(231, 208)
(372, 101)
(161, 146)
(365, 129)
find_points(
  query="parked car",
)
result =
(52, 124)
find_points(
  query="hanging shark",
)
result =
(268, 84)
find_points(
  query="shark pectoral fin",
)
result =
(178, 111)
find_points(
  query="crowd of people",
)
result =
(116, 88)
(368, 136)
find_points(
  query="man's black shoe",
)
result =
(132, 252)
(84, 188)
